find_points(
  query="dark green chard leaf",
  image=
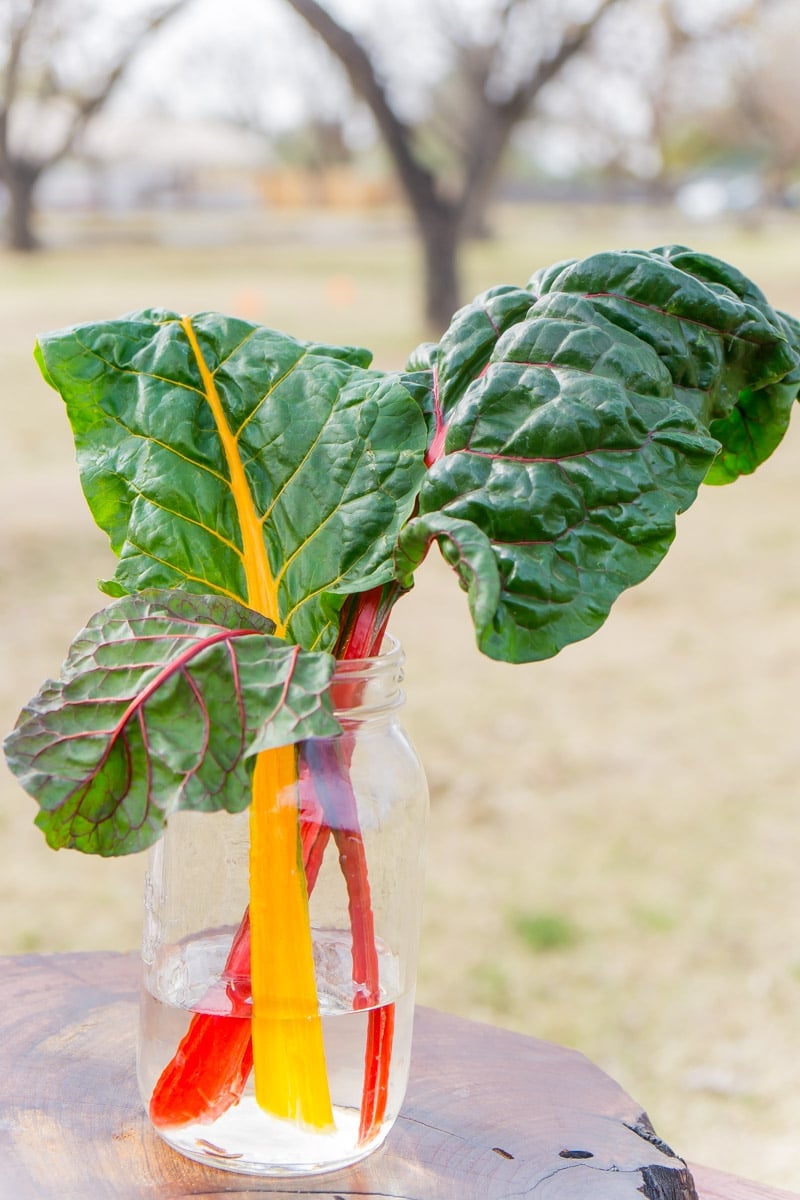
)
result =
(161, 704)
(188, 432)
(713, 329)
(566, 446)
(569, 459)
(756, 425)
(467, 345)
(439, 372)
(467, 549)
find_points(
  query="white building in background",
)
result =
(127, 164)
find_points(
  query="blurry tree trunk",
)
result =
(20, 168)
(443, 222)
(437, 220)
(440, 237)
(20, 183)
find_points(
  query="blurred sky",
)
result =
(269, 70)
(265, 70)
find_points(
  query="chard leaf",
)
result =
(163, 701)
(468, 551)
(757, 423)
(571, 457)
(723, 345)
(570, 427)
(439, 373)
(223, 457)
(467, 345)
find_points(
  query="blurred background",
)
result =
(614, 833)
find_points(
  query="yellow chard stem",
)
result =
(287, 1031)
(288, 1053)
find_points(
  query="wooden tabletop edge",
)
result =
(712, 1184)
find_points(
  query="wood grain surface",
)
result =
(490, 1115)
(718, 1185)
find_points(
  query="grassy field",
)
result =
(614, 835)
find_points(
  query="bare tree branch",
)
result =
(417, 180)
(19, 36)
(21, 168)
(574, 41)
(92, 103)
(443, 220)
(496, 119)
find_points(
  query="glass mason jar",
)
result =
(361, 804)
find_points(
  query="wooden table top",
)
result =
(490, 1115)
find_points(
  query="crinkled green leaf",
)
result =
(468, 551)
(161, 704)
(331, 455)
(571, 456)
(570, 427)
(757, 423)
(467, 345)
(439, 372)
(723, 345)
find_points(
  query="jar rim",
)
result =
(361, 687)
(390, 655)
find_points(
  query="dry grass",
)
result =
(614, 833)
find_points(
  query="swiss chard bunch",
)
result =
(269, 500)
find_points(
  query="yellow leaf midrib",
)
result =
(288, 1054)
(262, 590)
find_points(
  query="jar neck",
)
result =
(368, 688)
